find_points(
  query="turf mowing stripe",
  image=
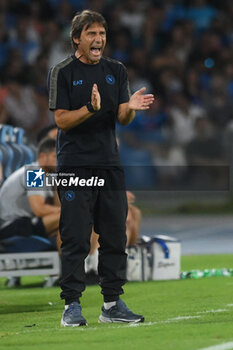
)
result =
(131, 325)
(211, 311)
(224, 346)
(107, 326)
(180, 318)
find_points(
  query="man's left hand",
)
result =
(140, 102)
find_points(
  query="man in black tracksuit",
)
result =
(88, 93)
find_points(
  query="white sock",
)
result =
(67, 305)
(108, 306)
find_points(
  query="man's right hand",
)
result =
(66, 119)
(95, 98)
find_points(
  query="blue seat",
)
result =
(15, 152)
(7, 152)
(1, 158)
(12, 140)
(13, 149)
(7, 158)
(19, 139)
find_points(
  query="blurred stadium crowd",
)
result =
(182, 51)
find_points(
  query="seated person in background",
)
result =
(25, 212)
(133, 218)
(48, 131)
(133, 221)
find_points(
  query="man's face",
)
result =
(91, 43)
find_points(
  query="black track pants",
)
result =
(106, 209)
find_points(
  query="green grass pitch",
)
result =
(181, 315)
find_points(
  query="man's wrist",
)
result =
(130, 109)
(90, 107)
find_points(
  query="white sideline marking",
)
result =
(169, 320)
(230, 305)
(224, 346)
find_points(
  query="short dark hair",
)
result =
(82, 20)
(46, 145)
(43, 133)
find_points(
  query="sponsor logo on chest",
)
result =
(77, 82)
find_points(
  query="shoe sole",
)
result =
(103, 319)
(82, 323)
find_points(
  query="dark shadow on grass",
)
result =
(25, 286)
(29, 285)
(15, 309)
